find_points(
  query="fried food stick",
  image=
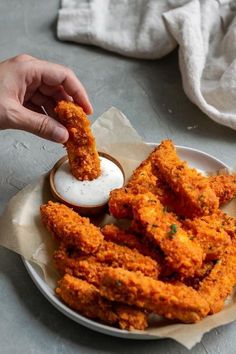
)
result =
(120, 203)
(81, 148)
(229, 224)
(142, 180)
(209, 232)
(85, 268)
(126, 238)
(195, 194)
(224, 187)
(218, 285)
(86, 299)
(121, 256)
(163, 229)
(70, 228)
(171, 301)
(198, 277)
(111, 254)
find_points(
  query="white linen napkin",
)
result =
(204, 29)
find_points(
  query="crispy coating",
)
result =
(193, 190)
(113, 255)
(120, 203)
(86, 299)
(210, 233)
(113, 272)
(198, 277)
(143, 180)
(78, 266)
(121, 256)
(171, 301)
(229, 224)
(126, 238)
(163, 228)
(218, 285)
(81, 148)
(147, 178)
(70, 228)
(131, 318)
(224, 187)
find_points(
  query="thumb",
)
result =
(40, 124)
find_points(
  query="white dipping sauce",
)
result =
(88, 193)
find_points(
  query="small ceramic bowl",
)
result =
(86, 209)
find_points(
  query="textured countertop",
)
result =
(151, 95)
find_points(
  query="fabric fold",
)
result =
(205, 31)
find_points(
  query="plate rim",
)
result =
(82, 320)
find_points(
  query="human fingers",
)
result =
(38, 124)
(56, 92)
(48, 107)
(53, 75)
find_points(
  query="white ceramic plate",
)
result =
(196, 159)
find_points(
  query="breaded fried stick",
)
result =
(224, 187)
(111, 254)
(86, 299)
(163, 228)
(193, 190)
(171, 301)
(209, 232)
(81, 148)
(229, 224)
(120, 203)
(115, 255)
(126, 238)
(80, 267)
(218, 285)
(142, 180)
(70, 228)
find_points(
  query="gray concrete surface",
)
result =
(151, 96)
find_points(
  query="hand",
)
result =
(27, 84)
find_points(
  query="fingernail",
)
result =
(89, 109)
(60, 135)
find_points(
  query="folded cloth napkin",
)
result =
(205, 31)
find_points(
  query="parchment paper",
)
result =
(21, 230)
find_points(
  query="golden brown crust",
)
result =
(194, 193)
(163, 228)
(86, 268)
(224, 187)
(194, 259)
(209, 232)
(70, 228)
(126, 238)
(109, 254)
(81, 148)
(86, 299)
(142, 180)
(120, 203)
(218, 285)
(147, 178)
(171, 301)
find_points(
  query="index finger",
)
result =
(54, 74)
